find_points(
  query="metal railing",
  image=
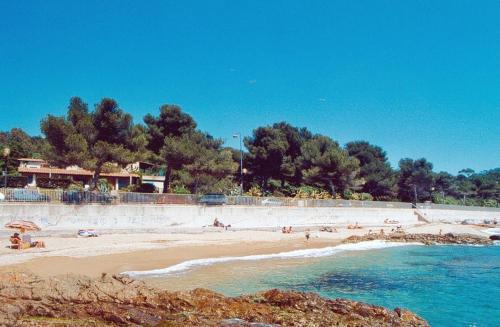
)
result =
(116, 198)
(438, 206)
(56, 196)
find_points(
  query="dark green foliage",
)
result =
(171, 122)
(145, 188)
(46, 182)
(415, 180)
(274, 153)
(21, 145)
(375, 170)
(327, 166)
(14, 181)
(90, 139)
(480, 188)
(281, 159)
(190, 157)
(446, 185)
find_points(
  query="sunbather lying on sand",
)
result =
(399, 229)
(356, 226)
(387, 221)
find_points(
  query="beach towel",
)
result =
(87, 233)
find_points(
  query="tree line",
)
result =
(279, 159)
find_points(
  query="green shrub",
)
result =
(180, 189)
(103, 185)
(309, 192)
(47, 182)
(75, 186)
(146, 188)
(14, 181)
(129, 188)
(358, 196)
(490, 203)
(254, 191)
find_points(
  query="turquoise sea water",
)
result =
(447, 285)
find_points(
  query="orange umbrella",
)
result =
(23, 225)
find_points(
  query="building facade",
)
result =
(36, 168)
(150, 173)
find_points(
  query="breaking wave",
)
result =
(306, 253)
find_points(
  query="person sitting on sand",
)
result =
(381, 232)
(25, 242)
(289, 230)
(217, 223)
(15, 241)
(283, 230)
(350, 226)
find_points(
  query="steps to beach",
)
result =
(421, 216)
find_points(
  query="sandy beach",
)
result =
(128, 250)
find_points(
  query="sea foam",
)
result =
(306, 253)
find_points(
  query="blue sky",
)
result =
(419, 78)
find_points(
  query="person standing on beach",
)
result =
(308, 234)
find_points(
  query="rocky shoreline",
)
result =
(28, 300)
(427, 239)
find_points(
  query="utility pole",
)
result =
(5, 154)
(415, 192)
(238, 135)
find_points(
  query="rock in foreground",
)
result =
(427, 239)
(28, 300)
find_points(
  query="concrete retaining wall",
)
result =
(456, 216)
(70, 217)
(60, 217)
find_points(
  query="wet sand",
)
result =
(157, 258)
(116, 253)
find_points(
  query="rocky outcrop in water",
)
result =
(28, 300)
(427, 239)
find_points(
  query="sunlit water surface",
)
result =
(447, 285)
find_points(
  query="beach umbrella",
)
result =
(23, 225)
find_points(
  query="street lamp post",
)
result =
(5, 154)
(238, 136)
(415, 193)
